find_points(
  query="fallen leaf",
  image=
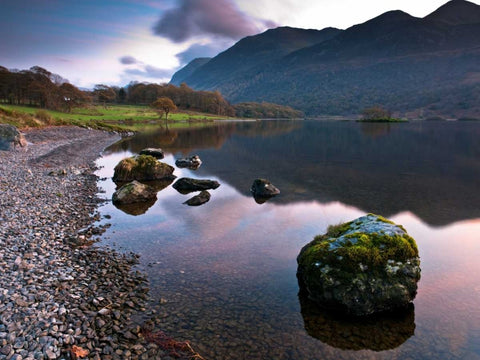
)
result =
(79, 352)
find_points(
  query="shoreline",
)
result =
(59, 295)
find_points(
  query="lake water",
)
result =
(223, 275)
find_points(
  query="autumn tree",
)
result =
(376, 113)
(104, 94)
(164, 105)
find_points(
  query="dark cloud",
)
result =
(205, 17)
(128, 60)
(197, 50)
(150, 71)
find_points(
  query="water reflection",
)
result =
(377, 333)
(430, 169)
(227, 269)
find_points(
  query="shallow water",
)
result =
(223, 274)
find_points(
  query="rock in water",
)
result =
(362, 267)
(192, 163)
(133, 192)
(142, 168)
(156, 153)
(199, 199)
(262, 188)
(9, 135)
(187, 185)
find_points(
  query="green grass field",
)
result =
(111, 117)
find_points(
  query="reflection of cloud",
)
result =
(207, 17)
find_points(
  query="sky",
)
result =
(115, 42)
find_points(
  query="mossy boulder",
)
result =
(133, 192)
(362, 267)
(142, 168)
(9, 135)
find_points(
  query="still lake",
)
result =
(223, 275)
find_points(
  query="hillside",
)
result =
(416, 67)
(188, 70)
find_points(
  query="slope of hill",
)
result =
(415, 67)
(253, 51)
(188, 70)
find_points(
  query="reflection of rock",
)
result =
(133, 192)
(378, 333)
(187, 185)
(136, 209)
(199, 199)
(193, 162)
(263, 190)
(9, 135)
(362, 267)
(156, 153)
(142, 168)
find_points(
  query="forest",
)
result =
(41, 88)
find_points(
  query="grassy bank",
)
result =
(111, 117)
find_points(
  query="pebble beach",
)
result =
(61, 297)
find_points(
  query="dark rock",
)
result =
(9, 135)
(263, 189)
(156, 153)
(192, 163)
(187, 185)
(142, 168)
(199, 199)
(362, 267)
(133, 192)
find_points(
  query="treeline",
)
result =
(39, 87)
(266, 110)
(183, 96)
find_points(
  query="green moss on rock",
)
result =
(369, 261)
(142, 168)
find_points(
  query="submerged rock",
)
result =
(133, 192)
(142, 168)
(362, 267)
(199, 199)
(193, 162)
(187, 185)
(156, 153)
(263, 190)
(9, 135)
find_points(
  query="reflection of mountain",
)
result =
(430, 169)
(379, 333)
(187, 139)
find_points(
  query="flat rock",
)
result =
(155, 152)
(199, 199)
(187, 185)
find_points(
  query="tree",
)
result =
(104, 94)
(164, 105)
(376, 113)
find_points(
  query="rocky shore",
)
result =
(60, 297)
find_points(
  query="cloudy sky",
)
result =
(117, 41)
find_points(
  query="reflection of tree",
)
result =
(214, 136)
(377, 333)
(375, 130)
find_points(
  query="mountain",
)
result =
(188, 70)
(414, 66)
(253, 51)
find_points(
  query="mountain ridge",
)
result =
(407, 64)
